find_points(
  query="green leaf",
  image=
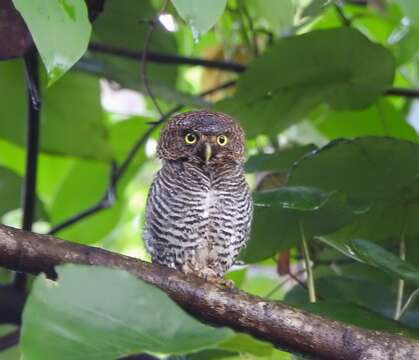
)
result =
(356, 315)
(70, 114)
(275, 229)
(378, 174)
(94, 312)
(278, 90)
(278, 14)
(377, 256)
(280, 161)
(246, 343)
(200, 16)
(381, 119)
(296, 198)
(60, 30)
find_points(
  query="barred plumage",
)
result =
(199, 209)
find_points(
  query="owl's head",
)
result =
(203, 138)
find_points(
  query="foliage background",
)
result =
(332, 133)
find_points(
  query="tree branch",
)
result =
(164, 58)
(280, 324)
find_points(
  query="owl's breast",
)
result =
(196, 216)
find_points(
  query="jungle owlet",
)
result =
(199, 206)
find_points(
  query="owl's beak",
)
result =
(207, 152)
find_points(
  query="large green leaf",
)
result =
(300, 72)
(381, 119)
(280, 161)
(200, 16)
(378, 174)
(71, 114)
(376, 255)
(278, 228)
(60, 30)
(94, 312)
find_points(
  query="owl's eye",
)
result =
(222, 140)
(191, 138)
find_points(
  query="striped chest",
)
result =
(198, 216)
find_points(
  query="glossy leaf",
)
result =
(275, 229)
(280, 161)
(279, 90)
(115, 314)
(60, 30)
(376, 255)
(295, 198)
(200, 16)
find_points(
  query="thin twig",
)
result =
(9, 340)
(147, 40)
(32, 150)
(283, 282)
(109, 196)
(307, 262)
(400, 282)
(409, 93)
(251, 28)
(345, 20)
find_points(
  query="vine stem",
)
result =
(147, 41)
(400, 282)
(307, 262)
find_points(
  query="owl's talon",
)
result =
(212, 277)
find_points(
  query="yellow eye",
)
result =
(190, 138)
(222, 140)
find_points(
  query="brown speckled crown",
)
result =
(171, 145)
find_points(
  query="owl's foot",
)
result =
(212, 277)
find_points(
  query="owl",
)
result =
(199, 207)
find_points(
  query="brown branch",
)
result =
(282, 325)
(165, 58)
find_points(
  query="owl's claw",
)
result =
(212, 277)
